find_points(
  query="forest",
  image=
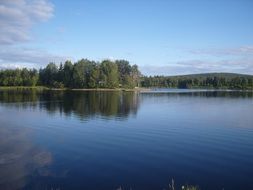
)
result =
(207, 80)
(82, 74)
(115, 74)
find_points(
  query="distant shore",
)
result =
(136, 89)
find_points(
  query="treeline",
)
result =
(82, 74)
(114, 74)
(215, 80)
(19, 77)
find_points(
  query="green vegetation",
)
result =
(208, 80)
(90, 74)
(82, 74)
(115, 74)
(19, 77)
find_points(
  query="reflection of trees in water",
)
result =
(19, 158)
(206, 94)
(84, 104)
(26, 98)
(96, 103)
(89, 104)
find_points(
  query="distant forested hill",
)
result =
(225, 75)
(205, 80)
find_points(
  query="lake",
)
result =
(133, 140)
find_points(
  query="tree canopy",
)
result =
(82, 74)
(209, 80)
(114, 74)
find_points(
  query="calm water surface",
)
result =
(104, 140)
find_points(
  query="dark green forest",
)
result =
(82, 74)
(207, 80)
(115, 74)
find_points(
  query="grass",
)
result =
(78, 89)
(23, 87)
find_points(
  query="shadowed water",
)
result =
(104, 140)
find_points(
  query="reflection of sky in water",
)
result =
(135, 140)
(20, 157)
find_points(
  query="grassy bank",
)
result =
(23, 87)
(141, 89)
(75, 89)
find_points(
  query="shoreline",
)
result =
(137, 89)
(111, 89)
(74, 89)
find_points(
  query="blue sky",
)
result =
(161, 36)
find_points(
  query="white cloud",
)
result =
(238, 51)
(242, 65)
(235, 60)
(18, 16)
(24, 57)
